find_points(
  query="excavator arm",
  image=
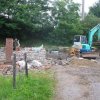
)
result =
(92, 32)
(81, 45)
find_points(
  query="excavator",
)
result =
(82, 46)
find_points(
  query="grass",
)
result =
(38, 86)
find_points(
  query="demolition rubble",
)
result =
(38, 58)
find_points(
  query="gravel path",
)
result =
(75, 83)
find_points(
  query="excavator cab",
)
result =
(80, 45)
(81, 41)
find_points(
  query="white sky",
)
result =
(88, 3)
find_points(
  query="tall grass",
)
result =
(38, 86)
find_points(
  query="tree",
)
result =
(96, 9)
(88, 23)
(57, 21)
(32, 14)
(66, 20)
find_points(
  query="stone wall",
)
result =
(2, 54)
(32, 55)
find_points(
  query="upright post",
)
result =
(83, 3)
(14, 71)
(26, 69)
(9, 49)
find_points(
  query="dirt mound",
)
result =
(79, 62)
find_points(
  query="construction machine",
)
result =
(82, 45)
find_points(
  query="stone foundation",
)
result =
(31, 55)
(2, 54)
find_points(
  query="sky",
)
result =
(88, 3)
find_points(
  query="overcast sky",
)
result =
(88, 3)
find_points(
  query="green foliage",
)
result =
(90, 21)
(96, 9)
(38, 86)
(55, 22)
(67, 21)
(32, 14)
(92, 18)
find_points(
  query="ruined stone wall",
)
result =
(32, 55)
(2, 54)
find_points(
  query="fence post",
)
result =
(14, 71)
(26, 69)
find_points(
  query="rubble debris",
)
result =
(2, 54)
(36, 59)
(31, 64)
(57, 55)
(31, 55)
(78, 62)
(6, 69)
(20, 64)
(35, 49)
(64, 49)
(55, 52)
(36, 63)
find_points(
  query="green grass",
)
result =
(38, 86)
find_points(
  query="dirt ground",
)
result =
(76, 78)
(77, 83)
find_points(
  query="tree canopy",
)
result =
(55, 21)
(96, 9)
(67, 21)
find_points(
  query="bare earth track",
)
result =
(77, 83)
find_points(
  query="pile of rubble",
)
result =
(75, 62)
(6, 69)
(81, 62)
(31, 55)
(36, 59)
(2, 54)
